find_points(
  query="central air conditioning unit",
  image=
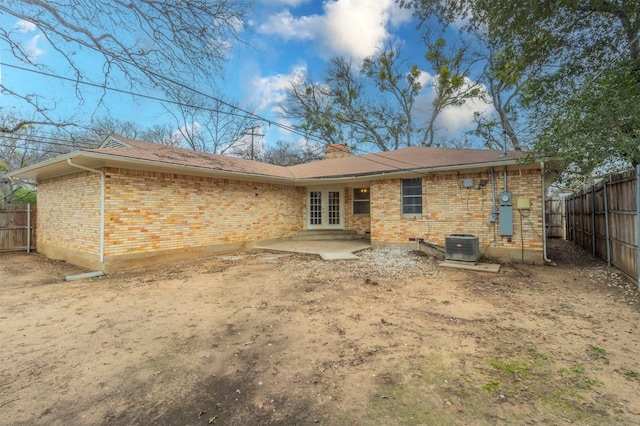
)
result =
(463, 247)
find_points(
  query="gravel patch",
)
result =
(380, 263)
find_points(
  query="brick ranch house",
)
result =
(129, 202)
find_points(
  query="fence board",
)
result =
(16, 229)
(607, 225)
(554, 209)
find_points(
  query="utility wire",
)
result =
(66, 37)
(243, 114)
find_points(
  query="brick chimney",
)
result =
(337, 150)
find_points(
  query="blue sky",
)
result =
(288, 38)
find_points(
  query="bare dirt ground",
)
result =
(261, 338)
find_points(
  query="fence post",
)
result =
(593, 219)
(606, 223)
(638, 223)
(28, 228)
(582, 203)
(570, 221)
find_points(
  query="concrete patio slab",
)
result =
(327, 249)
(481, 267)
(338, 256)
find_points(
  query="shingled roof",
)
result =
(132, 153)
(407, 159)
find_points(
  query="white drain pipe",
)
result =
(101, 204)
(544, 219)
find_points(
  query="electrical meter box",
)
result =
(506, 214)
(505, 199)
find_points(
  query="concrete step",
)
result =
(327, 234)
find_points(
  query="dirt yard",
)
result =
(263, 338)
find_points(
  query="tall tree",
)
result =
(451, 87)
(287, 153)
(392, 76)
(145, 43)
(25, 145)
(212, 124)
(101, 127)
(371, 105)
(586, 60)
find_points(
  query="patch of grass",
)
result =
(576, 378)
(491, 386)
(237, 352)
(537, 354)
(631, 374)
(513, 367)
(597, 352)
(446, 302)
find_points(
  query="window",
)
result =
(361, 201)
(412, 196)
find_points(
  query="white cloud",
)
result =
(353, 28)
(268, 91)
(287, 26)
(452, 120)
(189, 130)
(31, 46)
(293, 3)
(25, 26)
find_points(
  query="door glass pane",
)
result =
(334, 208)
(315, 208)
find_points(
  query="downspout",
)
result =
(544, 218)
(101, 204)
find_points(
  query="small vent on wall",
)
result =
(112, 142)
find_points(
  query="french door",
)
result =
(325, 208)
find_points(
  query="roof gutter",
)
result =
(291, 179)
(45, 163)
(421, 171)
(102, 185)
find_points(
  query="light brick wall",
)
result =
(361, 223)
(152, 211)
(69, 213)
(449, 208)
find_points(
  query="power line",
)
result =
(51, 141)
(66, 37)
(243, 114)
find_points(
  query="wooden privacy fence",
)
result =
(18, 227)
(604, 219)
(554, 211)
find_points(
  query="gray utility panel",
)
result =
(506, 214)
